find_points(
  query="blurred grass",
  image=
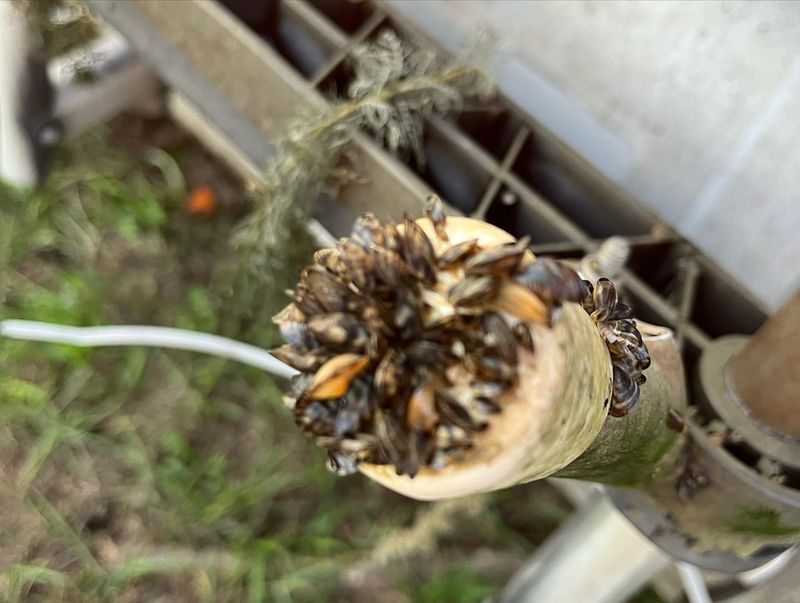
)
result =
(134, 474)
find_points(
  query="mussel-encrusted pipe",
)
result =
(440, 358)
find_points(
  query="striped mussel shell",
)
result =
(629, 354)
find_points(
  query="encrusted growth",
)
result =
(405, 353)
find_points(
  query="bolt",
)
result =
(50, 134)
(607, 261)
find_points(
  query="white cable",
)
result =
(693, 584)
(136, 335)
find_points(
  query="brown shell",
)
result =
(333, 378)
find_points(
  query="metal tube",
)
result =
(766, 372)
(594, 557)
(693, 584)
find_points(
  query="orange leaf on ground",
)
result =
(201, 202)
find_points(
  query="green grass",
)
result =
(455, 585)
(132, 474)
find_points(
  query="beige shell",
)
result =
(547, 421)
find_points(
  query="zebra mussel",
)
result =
(629, 355)
(405, 352)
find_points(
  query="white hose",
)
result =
(136, 335)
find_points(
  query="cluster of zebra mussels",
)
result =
(404, 354)
(629, 355)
